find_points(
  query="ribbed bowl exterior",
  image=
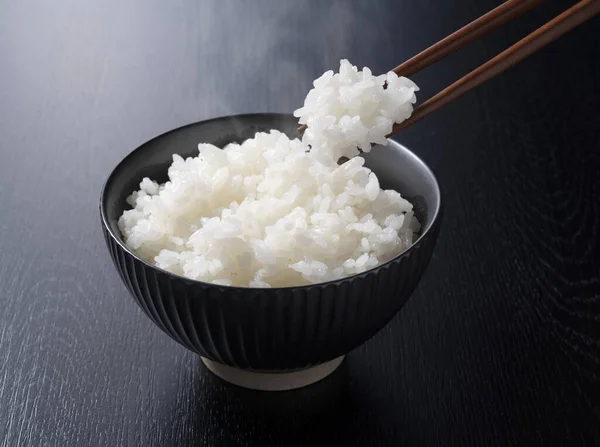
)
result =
(269, 329)
(273, 329)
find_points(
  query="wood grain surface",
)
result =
(499, 345)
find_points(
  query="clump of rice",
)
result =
(274, 212)
(352, 109)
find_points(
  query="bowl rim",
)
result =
(118, 239)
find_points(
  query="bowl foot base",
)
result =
(276, 381)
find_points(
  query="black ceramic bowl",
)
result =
(277, 329)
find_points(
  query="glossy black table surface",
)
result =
(500, 343)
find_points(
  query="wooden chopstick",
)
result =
(541, 37)
(485, 24)
(509, 10)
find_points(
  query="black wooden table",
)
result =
(500, 344)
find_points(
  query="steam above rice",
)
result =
(274, 212)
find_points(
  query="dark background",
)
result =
(499, 345)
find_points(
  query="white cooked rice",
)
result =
(274, 212)
(352, 109)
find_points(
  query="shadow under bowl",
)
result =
(278, 329)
